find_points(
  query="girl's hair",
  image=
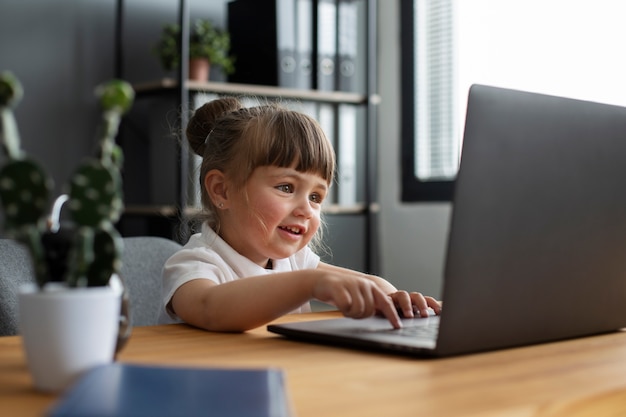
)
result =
(236, 140)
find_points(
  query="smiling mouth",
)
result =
(292, 230)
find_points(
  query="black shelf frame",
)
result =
(182, 88)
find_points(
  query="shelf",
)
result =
(250, 90)
(172, 211)
(151, 210)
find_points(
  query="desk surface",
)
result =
(583, 377)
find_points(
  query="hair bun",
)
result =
(205, 119)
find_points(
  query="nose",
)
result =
(303, 208)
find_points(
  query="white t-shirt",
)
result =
(208, 256)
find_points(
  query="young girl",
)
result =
(264, 176)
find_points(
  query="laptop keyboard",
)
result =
(428, 331)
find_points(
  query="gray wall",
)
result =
(59, 50)
(62, 50)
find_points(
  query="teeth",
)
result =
(292, 230)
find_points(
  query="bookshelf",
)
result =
(170, 85)
(348, 222)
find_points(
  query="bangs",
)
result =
(285, 138)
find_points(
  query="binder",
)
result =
(286, 41)
(271, 41)
(254, 46)
(326, 116)
(125, 390)
(304, 44)
(326, 44)
(347, 155)
(351, 53)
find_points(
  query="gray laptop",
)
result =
(537, 245)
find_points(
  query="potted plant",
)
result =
(90, 292)
(208, 45)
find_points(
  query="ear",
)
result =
(216, 186)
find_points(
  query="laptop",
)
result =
(537, 242)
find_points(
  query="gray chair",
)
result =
(15, 269)
(142, 262)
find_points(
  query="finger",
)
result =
(341, 299)
(385, 305)
(364, 303)
(356, 309)
(434, 304)
(403, 303)
(350, 302)
(420, 303)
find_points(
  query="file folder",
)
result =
(272, 42)
(304, 44)
(286, 41)
(326, 44)
(347, 155)
(351, 41)
(326, 116)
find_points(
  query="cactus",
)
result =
(24, 186)
(95, 194)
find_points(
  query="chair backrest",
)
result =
(142, 262)
(15, 269)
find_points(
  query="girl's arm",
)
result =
(251, 302)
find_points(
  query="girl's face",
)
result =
(279, 217)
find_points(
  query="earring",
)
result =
(220, 205)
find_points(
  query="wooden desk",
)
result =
(584, 377)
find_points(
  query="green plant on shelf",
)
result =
(94, 198)
(205, 41)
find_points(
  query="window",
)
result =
(563, 47)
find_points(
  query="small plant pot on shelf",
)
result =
(206, 42)
(67, 331)
(199, 69)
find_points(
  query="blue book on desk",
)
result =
(125, 390)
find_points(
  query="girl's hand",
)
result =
(410, 303)
(356, 297)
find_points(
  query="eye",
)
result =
(285, 188)
(316, 198)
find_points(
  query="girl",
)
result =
(264, 176)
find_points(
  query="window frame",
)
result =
(413, 189)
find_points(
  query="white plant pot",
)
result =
(67, 331)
